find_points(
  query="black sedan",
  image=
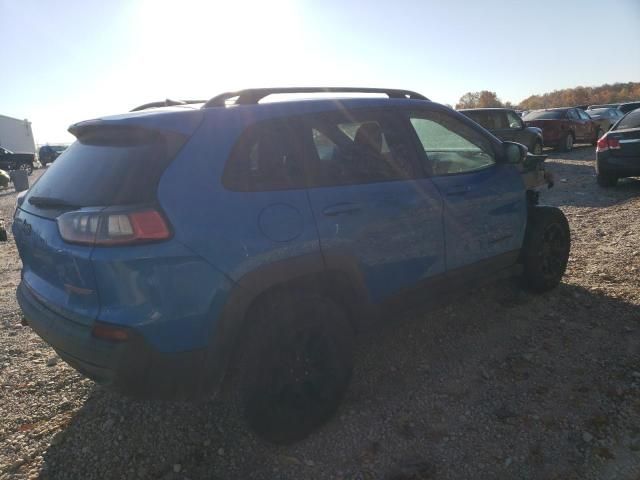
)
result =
(618, 151)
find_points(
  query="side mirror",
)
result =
(514, 152)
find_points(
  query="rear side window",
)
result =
(320, 150)
(268, 156)
(114, 166)
(358, 148)
(632, 120)
(489, 120)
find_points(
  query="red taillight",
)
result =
(607, 143)
(113, 228)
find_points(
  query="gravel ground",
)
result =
(504, 384)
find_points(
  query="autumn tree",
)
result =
(568, 97)
(483, 99)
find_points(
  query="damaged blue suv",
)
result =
(175, 246)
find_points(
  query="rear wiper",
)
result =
(51, 202)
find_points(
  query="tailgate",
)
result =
(59, 275)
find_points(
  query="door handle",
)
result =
(458, 190)
(341, 209)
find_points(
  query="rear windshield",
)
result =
(545, 115)
(607, 105)
(628, 107)
(110, 167)
(632, 120)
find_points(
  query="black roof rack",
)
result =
(254, 95)
(166, 103)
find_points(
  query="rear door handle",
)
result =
(458, 190)
(341, 209)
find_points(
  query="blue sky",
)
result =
(66, 61)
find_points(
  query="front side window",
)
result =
(514, 121)
(365, 148)
(451, 146)
(583, 115)
(572, 115)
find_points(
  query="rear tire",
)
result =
(606, 181)
(27, 167)
(546, 248)
(566, 144)
(295, 365)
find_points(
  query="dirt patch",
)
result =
(505, 384)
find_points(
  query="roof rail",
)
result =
(254, 95)
(165, 103)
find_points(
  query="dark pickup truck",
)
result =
(16, 161)
(506, 124)
(562, 127)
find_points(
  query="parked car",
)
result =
(629, 107)
(16, 161)
(505, 124)
(255, 241)
(604, 105)
(562, 127)
(605, 117)
(48, 153)
(618, 151)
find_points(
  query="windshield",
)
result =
(545, 115)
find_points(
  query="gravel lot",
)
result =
(504, 384)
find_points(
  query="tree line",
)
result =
(614, 93)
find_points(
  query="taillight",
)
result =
(113, 228)
(607, 143)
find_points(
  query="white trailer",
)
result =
(16, 135)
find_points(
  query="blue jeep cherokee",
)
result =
(169, 246)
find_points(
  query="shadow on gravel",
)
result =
(500, 385)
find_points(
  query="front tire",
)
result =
(537, 148)
(546, 248)
(295, 366)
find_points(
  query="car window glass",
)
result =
(583, 115)
(371, 148)
(572, 115)
(514, 120)
(451, 146)
(268, 156)
(632, 120)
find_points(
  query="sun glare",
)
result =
(230, 44)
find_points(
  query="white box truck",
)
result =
(16, 135)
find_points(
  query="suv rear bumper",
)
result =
(132, 367)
